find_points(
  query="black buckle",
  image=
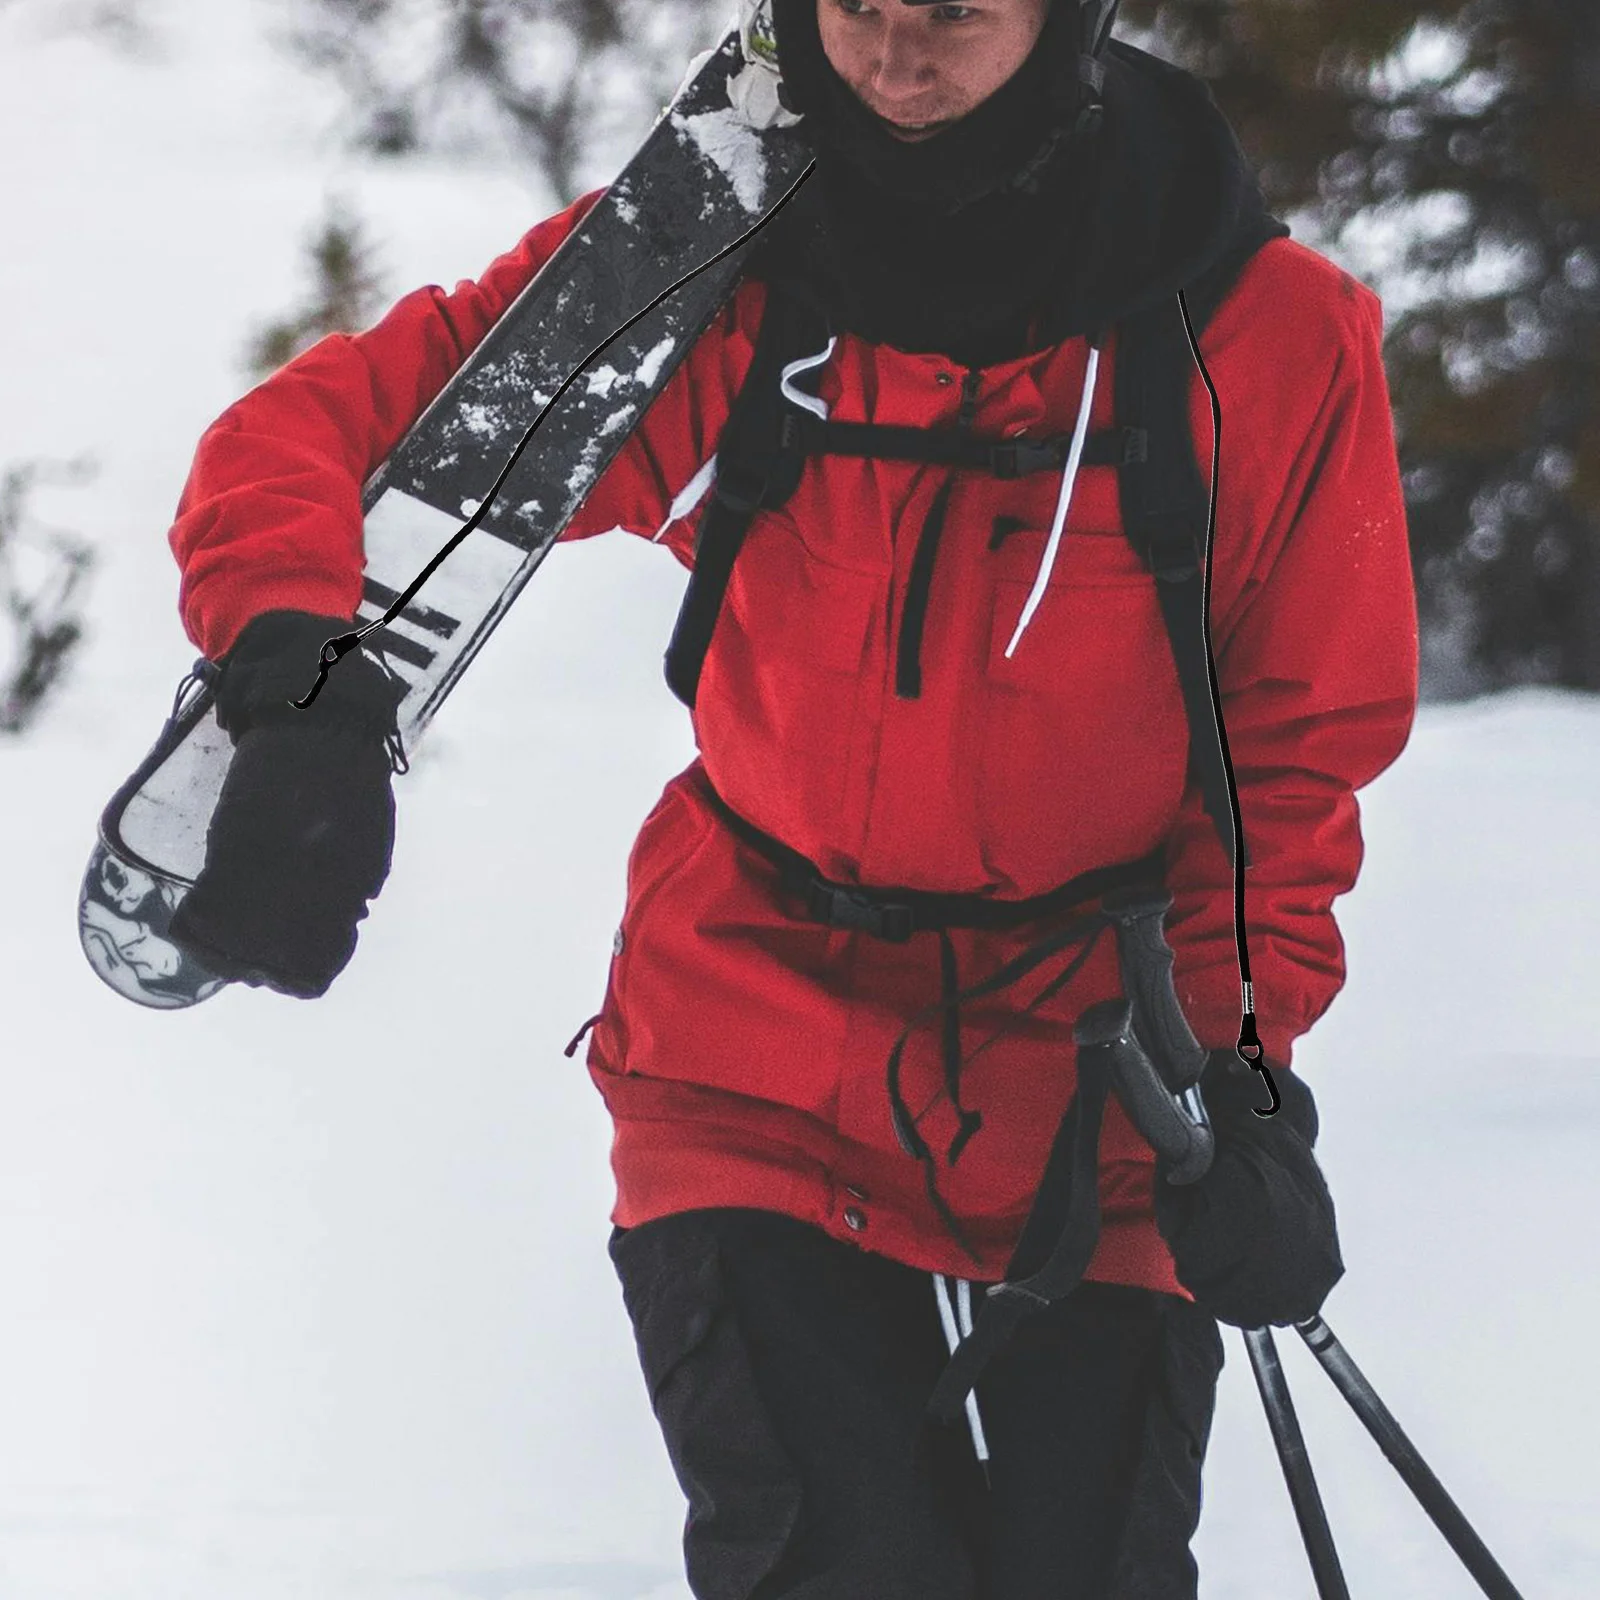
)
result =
(1173, 555)
(840, 907)
(1175, 551)
(1015, 458)
(1177, 571)
(740, 490)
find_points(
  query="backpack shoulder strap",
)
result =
(760, 457)
(1165, 505)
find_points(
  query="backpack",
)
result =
(1166, 510)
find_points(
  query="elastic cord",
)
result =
(1249, 1046)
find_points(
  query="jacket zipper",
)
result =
(914, 612)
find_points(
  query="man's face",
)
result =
(922, 67)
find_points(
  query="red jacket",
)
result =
(741, 1051)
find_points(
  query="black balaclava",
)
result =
(951, 244)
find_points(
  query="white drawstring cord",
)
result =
(808, 402)
(953, 1335)
(693, 492)
(1068, 479)
(964, 1306)
(689, 496)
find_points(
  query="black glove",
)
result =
(1254, 1240)
(303, 831)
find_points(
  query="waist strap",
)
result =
(896, 914)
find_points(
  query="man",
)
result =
(911, 694)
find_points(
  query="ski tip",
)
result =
(123, 917)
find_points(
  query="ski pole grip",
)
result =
(1138, 915)
(1182, 1142)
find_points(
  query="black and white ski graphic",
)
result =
(704, 177)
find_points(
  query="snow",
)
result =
(483, 421)
(311, 1299)
(728, 142)
(602, 380)
(651, 364)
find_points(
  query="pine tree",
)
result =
(42, 571)
(568, 84)
(346, 294)
(1446, 154)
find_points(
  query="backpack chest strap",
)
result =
(769, 438)
(947, 447)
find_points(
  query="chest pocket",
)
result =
(1082, 743)
(1095, 559)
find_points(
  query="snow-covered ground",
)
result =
(311, 1300)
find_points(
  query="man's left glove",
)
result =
(303, 830)
(1254, 1240)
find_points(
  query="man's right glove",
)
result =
(303, 831)
(1254, 1240)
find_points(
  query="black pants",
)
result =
(789, 1373)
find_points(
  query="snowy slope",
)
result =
(312, 1300)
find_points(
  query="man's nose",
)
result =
(903, 67)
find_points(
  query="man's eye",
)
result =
(942, 13)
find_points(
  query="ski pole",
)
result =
(1296, 1463)
(1172, 1056)
(1162, 1118)
(1404, 1457)
(1172, 1060)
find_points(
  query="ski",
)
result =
(711, 168)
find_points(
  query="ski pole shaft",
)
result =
(1296, 1463)
(1403, 1456)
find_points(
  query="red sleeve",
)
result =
(658, 480)
(1315, 632)
(270, 516)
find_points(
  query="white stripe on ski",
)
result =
(166, 821)
(403, 534)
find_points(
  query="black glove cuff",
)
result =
(1232, 1090)
(275, 660)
